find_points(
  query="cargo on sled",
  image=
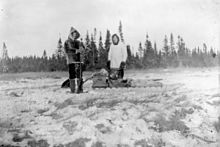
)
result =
(103, 79)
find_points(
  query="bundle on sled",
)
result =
(102, 79)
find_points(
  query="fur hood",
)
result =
(71, 31)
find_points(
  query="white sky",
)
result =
(30, 26)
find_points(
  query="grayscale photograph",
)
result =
(109, 73)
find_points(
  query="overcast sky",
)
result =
(30, 26)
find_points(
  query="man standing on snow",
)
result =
(117, 56)
(73, 48)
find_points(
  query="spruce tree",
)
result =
(173, 55)
(87, 50)
(59, 53)
(108, 40)
(172, 44)
(44, 56)
(155, 48)
(166, 47)
(157, 63)
(141, 52)
(120, 32)
(95, 34)
(103, 55)
(129, 61)
(4, 58)
(93, 53)
(149, 58)
(166, 51)
(181, 51)
(87, 39)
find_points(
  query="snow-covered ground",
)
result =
(178, 107)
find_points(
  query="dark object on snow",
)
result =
(66, 84)
(20, 137)
(17, 138)
(40, 143)
(157, 79)
(214, 55)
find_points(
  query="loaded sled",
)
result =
(102, 79)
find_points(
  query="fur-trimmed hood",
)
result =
(72, 29)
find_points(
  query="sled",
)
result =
(120, 83)
(102, 80)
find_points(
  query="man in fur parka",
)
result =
(72, 48)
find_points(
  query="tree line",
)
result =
(172, 54)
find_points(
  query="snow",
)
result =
(117, 116)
